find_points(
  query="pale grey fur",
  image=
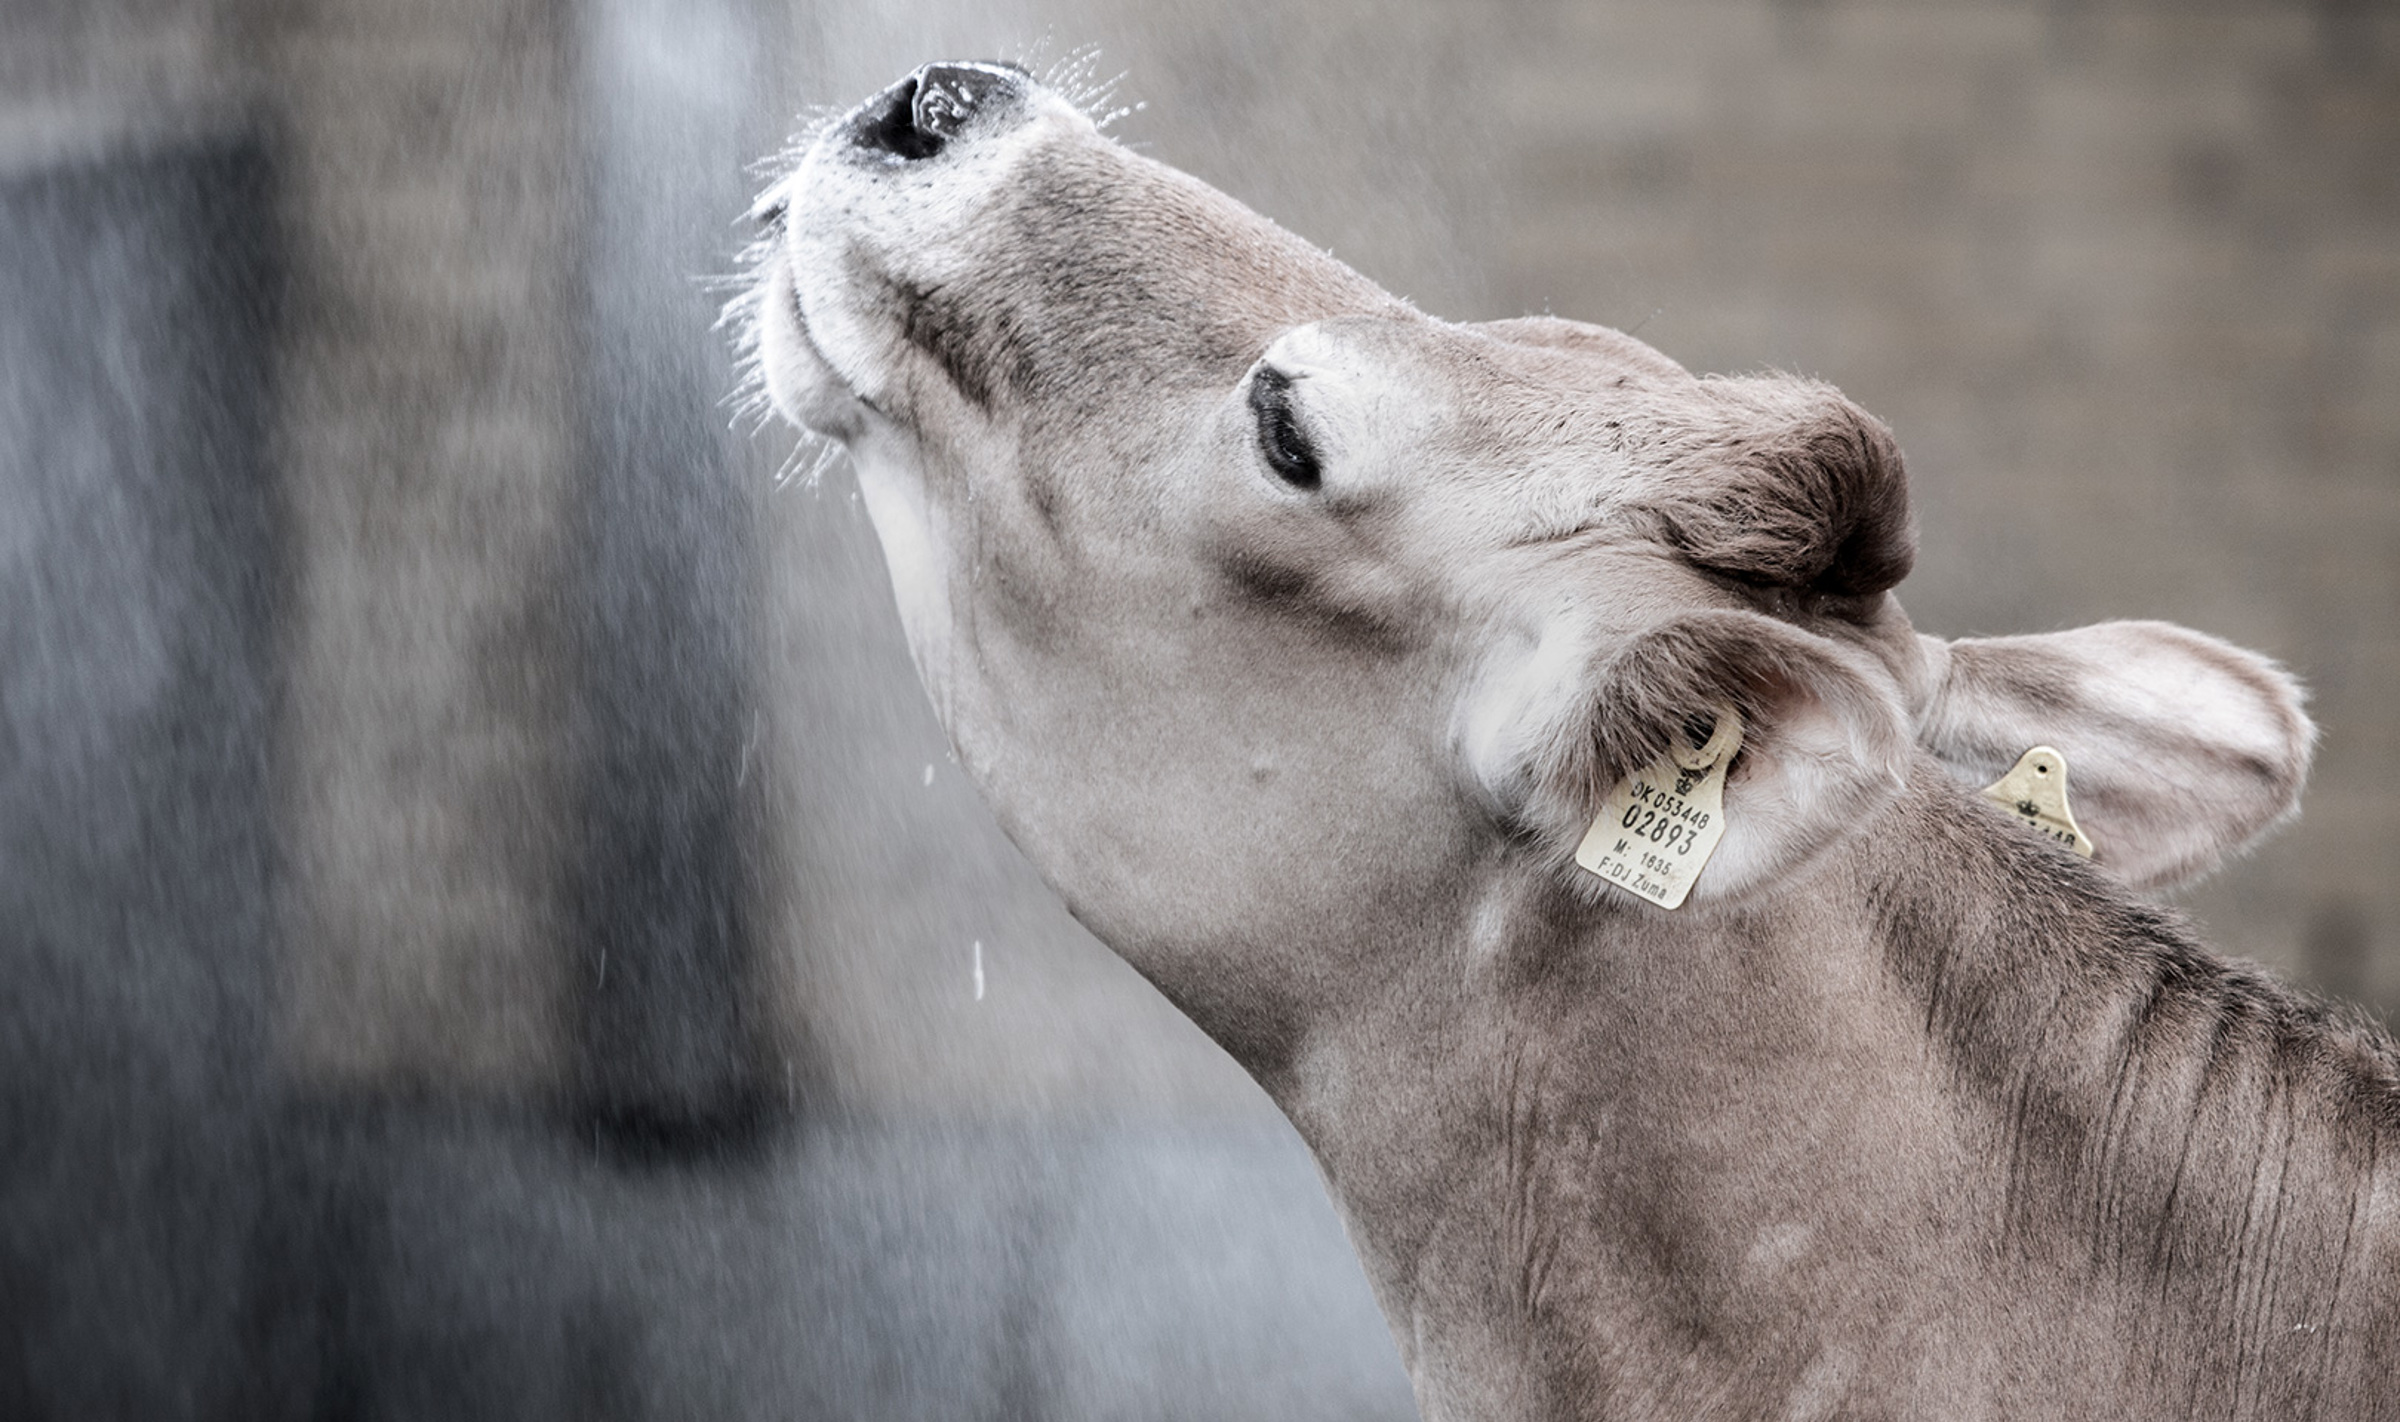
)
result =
(1907, 1113)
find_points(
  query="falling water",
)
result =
(482, 919)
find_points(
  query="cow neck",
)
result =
(2148, 1107)
(1945, 1062)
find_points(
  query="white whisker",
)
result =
(807, 463)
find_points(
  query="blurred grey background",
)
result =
(487, 922)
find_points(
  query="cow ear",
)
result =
(2180, 749)
(1778, 481)
(1825, 738)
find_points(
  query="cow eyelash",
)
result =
(1281, 441)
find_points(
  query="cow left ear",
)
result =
(2180, 749)
(1825, 739)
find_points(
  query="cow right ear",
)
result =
(2180, 749)
(1824, 737)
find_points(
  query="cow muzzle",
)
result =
(881, 244)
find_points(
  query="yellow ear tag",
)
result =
(1658, 827)
(2035, 791)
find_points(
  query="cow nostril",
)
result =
(947, 95)
(915, 117)
(889, 123)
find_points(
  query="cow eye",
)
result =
(1281, 441)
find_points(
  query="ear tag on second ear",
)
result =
(2035, 791)
(1658, 827)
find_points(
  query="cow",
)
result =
(1326, 657)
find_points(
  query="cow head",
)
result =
(1264, 607)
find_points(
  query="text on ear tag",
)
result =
(1660, 824)
(2035, 791)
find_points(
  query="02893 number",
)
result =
(1658, 829)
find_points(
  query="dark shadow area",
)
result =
(139, 570)
(671, 1059)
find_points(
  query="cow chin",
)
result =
(798, 381)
